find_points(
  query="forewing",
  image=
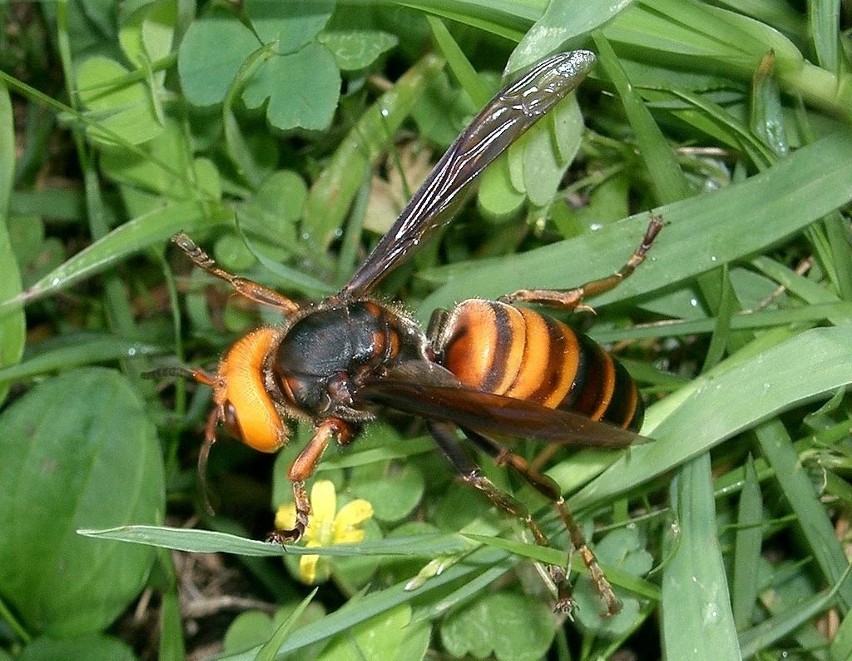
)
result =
(508, 115)
(492, 414)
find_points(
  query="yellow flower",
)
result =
(326, 525)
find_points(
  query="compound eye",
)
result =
(256, 423)
(230, 422)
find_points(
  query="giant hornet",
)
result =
(489, 369)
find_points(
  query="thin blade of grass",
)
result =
(697, 622)
(747, 548)
(13, 326)
(664, 172)
(777, 447)
(205, 541)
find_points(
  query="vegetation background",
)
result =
(285, 137)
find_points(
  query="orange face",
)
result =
(244, 404)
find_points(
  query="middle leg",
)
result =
(445, 437)
(550, 490)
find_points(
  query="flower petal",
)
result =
(323, 502)
(349, 536)
(308, 568)
(285, 517)
(349, 518)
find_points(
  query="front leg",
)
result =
(303, 468)
(243, 286)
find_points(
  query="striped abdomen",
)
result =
(517, 352)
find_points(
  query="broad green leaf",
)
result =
(548, 151)
(354, 50)
(272, 212)
(301, 88)
(290, 25)
(118, 105)
(148, 34)
(247, 629)
(90, 646)
(333, 192)
(211, 54)
(498, 196)
(393, 635)
(165, 168)
(254, 627)
(621, 550)
(501, 625)
(393, 494)
(77, 451)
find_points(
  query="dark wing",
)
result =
(499, 124)
(494, 415)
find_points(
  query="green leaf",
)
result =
(166, 168)
(90, 646)
(272, 212)
(252, 628)
(74, 351)
(841, 646)
(548, 150)
(291, 25)
(621, 550)
(77, 451)
(119, 106)
(390, 636)
(354, 50)
(497, 196)
(302, 88)
(668, 182)
(697, 619)
(333, 192)
(267, 651)
(131, 237)
(558, 25)
(211, 54)
(503, 625)
(249, 628)
(747, 550)
(818, 529)
(13, 324)
(778, 203)
(148, 33)
(393, 495)
(205, 541)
